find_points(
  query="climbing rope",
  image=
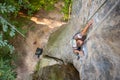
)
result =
(116, 3)
(96, 11)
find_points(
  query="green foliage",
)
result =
(48, 4)
(6, 8)
(44, 4)
(26, 6)
(6, 70)
(6, 29)
(6, 49)
(34, 5)
(9, 9)
(67, 9)
(6, 26)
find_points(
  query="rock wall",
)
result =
(57, 72)
(102, 46)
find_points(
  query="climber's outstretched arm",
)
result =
(84, 31)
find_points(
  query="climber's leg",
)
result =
(78, 52)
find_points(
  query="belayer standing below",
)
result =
(78, 40)
(38, 52)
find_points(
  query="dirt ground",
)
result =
(41, 26)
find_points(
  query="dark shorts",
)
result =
(79, 48)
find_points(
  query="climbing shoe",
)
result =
(38, 52)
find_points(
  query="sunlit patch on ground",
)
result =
(49, 22)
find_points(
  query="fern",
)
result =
(6, 72)
(6, 49)
(6, 8)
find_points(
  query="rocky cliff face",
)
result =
(102, 47)
(57, 72)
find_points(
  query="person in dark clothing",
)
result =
(39, 52)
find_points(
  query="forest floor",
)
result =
(40, 27)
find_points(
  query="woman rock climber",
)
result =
(78, 40)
